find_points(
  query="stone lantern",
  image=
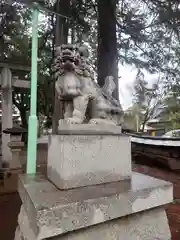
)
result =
(16, 145)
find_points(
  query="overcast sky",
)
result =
(128, 74)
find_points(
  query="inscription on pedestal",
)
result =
(75, 161)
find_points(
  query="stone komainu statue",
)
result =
(84, 100)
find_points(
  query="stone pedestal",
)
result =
(128, 210)
(15, 145)
(91, 192)
(83, 155)
(11, 169)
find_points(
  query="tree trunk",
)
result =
(61, 37)
(107, 43)
(23, 118)
(72, 35)
(24, 123)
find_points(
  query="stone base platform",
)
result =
(88, 129)
(148, 225)
(85, 154)
(129, 209)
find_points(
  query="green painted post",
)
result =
(32, 126)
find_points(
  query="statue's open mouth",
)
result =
(69, 62)
(68, 66)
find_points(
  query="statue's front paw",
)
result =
(93, 121)
(101, 121)
(74, 121)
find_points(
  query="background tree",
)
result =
(15, 47)
(132, 118)
(143, 33)
(170, 108)
(107, 64)
(146, 99)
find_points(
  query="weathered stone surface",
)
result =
(148, 225)
(52, 212)
(82, 160)
(76, 87)
(88, 129)
(24, 230)
(18, 234)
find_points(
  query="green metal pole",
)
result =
(32, 126)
